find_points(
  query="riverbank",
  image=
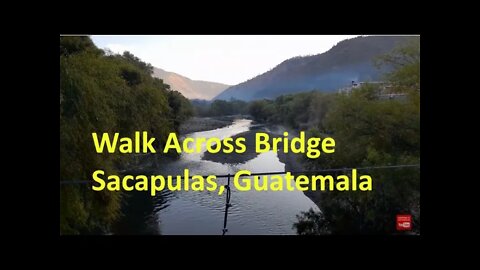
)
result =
(196, 124)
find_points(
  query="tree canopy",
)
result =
(105, 93)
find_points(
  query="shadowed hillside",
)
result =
(349, 60)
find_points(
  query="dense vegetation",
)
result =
(299, 111)
(105, 93)
(369, 130)
(205, 108)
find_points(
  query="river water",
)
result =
(252, 212)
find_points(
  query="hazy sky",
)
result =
(224, 59)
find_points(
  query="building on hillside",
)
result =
(385, 89)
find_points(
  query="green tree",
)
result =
(73, 45)
(148, 68)
(181, 108)
(220, 107)
(261, 110)
(405, 61)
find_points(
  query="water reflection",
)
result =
(139, 216)
(189, 212)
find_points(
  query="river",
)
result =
(252, 212)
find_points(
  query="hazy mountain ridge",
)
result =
(191, 89)
(349, 60)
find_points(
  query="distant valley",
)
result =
(191, 89)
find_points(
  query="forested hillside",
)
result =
(349, 60)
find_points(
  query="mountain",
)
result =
(349, 60)
(189, 88)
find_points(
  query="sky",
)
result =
(224, 59)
